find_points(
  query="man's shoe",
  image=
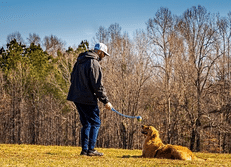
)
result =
(83, 152)
(94, 153)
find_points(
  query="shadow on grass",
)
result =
(129, 156)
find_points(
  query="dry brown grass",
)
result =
(62, 156)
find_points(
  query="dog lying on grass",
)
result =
(154, 148)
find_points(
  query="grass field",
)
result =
(59, 156)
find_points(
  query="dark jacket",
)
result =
(86, 80)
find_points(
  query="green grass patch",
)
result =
(64, 156)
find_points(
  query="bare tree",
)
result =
(34, 38)
(220, 96)
(17, 36)
(102, 35)
(160, 29)
(199, 33)
(53, 44)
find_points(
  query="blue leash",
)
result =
(139, 118)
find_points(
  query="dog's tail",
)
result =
(197, 159)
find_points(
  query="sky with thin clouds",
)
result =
(75, 20)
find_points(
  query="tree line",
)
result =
(175, 74)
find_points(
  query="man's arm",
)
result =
(96, 82)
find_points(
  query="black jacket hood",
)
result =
(87, 55)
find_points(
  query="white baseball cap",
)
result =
(102, 47)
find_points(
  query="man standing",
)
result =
(85, 91)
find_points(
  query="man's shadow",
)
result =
(131, 156)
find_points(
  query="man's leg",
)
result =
(95, 125)
(89, 116)
(86, 127)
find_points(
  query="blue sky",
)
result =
(77, 20)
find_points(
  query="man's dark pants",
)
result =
(90, 120)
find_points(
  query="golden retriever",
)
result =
(154, 148)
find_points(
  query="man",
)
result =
(85, 91)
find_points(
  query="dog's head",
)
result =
(149, 131)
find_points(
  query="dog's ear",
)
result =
(157, 133)
(154, 132)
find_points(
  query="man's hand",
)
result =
(108, 106)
